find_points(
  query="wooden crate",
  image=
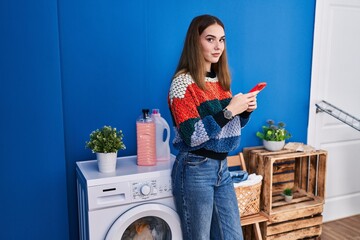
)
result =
(305, 173)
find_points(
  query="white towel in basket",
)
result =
(252, 180)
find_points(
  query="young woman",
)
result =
(208, 122)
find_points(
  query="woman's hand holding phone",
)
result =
(243, 102)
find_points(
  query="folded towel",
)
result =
(238, 176)
(251, 180)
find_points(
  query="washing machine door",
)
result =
(146, 221)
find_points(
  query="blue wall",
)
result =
(68, 67)
(33, 201)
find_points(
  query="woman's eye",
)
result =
(210, 39)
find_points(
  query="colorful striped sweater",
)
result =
(199, 121)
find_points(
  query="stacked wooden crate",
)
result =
(305, 173)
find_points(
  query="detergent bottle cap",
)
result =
(146, 113)
(145, 116)
(156, 112)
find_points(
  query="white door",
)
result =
(336, 79)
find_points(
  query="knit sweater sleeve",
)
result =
(190, 111)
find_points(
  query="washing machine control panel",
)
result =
(151, 188)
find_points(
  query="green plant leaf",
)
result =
(106, 140)
(272, 132)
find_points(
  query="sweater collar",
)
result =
(211, 74)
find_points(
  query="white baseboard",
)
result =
(341, 207)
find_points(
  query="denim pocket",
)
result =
(195, 160)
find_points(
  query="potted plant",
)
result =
(106, 142)
(273, 135)
(288, 194)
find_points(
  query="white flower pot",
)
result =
(106, 162)
(288, 198)
(274, 145)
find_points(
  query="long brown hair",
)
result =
(192, 59)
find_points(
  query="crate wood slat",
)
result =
(284, 177)
(250, 156)
(321, 177)
(293, 225)
(312, 175)
(294, 201)
(296, 212)
(266, 196)
(283, 166)
(301, 192)
(281, 187)
(248, 232)
(255, 218)
(304, 172)
(298, 173)
(299, 196)
(299, 205)
(247, 156)
(297, 234)
(276, 198)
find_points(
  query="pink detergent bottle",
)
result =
(162, 128)
(146, 142)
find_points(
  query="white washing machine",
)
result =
(133, 203)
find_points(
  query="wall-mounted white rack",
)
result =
(339, 114)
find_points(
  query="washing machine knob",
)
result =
(145, 190)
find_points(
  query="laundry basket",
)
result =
(248, 198)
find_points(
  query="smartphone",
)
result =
(260, 86)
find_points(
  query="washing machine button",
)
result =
(145, 190)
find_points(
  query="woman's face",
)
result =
(212, 41)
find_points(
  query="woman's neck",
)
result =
(208, 66)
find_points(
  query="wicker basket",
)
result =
(248, 198)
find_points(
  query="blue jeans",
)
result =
(205, 198)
